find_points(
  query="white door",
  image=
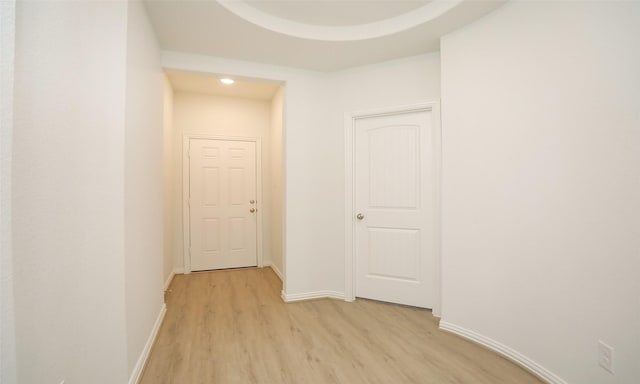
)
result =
(222, 204)
(394, 200)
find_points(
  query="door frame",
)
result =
(186, 219)
(350, 119)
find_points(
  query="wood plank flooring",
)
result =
(232, 327)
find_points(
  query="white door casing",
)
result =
(392, 253)
(222, 212)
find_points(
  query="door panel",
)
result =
(211, 186)
(236, 186)
(404, 244)
(222, 182)
(394, 176)
(393, 166)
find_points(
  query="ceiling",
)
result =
(318, 35)
(209, 84)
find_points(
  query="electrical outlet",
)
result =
(605, 356)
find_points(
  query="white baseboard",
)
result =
(275, 269)
(169, 280)
(509, 353)
(136, 375)
(291, 297)
(176, 271)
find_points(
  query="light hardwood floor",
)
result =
(232, 327)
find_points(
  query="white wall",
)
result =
(202, 114)
(86, 187)
(68, 184)
(169, 183)
(276, 223)
(541, 152)
(398, 82)
(143, 184)
(7, 326)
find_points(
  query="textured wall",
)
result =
(86, 182)
(68, 184)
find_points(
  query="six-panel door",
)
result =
(222, 204)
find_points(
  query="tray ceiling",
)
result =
(318, 35)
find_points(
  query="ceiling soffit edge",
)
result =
(386, 27)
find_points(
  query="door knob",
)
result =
(251, 201)
(359, 216)
(252, 210)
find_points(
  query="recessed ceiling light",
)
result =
(227, 81)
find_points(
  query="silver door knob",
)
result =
(359, 216)
(251, 201)
(252, 210)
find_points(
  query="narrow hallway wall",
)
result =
(276, 223)
(143, 186)
(169, 181)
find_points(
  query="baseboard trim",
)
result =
(136, 375)
(176, 271)
(291, 297)
(275, 270)
(169, 280)
(507, 352)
